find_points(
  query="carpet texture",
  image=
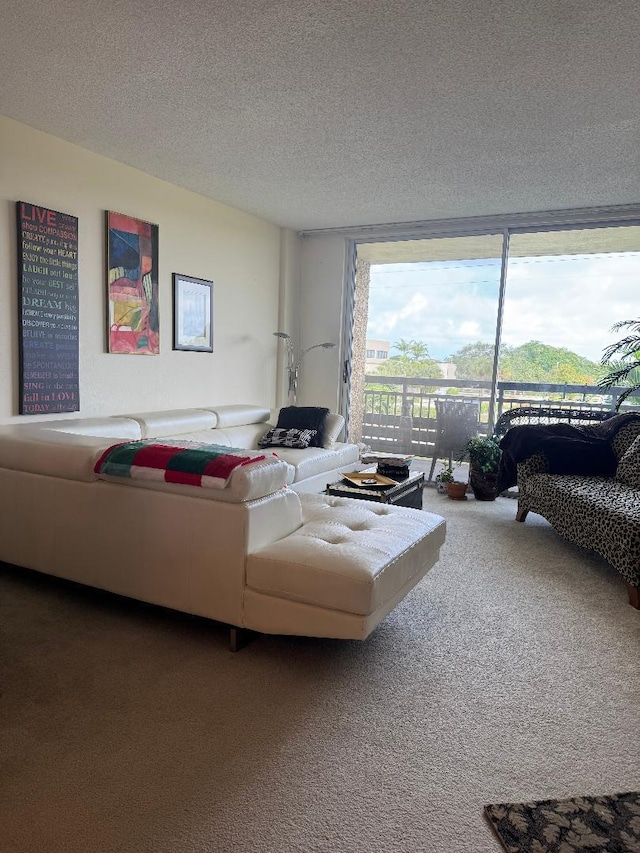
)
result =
(609, 824)
(511, 673)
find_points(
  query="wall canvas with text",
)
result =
(48, 310)
(132, 281)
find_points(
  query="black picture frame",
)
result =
(192, 313)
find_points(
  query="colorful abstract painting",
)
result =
(132, 268)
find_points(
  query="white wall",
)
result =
(323, 260)
(253, 264)
(289, 314)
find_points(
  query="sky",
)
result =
(566, 301)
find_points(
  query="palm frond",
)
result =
(625, 369)
(627, 346)
(632, 325)
(618, 374)
(633, 390)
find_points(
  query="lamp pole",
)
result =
(293, 366)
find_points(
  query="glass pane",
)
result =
(424, 331)
(564, 291)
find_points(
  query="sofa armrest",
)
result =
(536, 464)
(624, 438)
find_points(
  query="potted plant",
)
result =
(483, 453)
(452, 487)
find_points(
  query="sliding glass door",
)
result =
(492, 320)
(426, 312)
(564, 291)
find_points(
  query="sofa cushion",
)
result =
(275, 437)
(305, 417)
(589, 494)
(174, 422)
(111, 427)
(628, 470)
(347, 454)
(348, 555)
(50, 453)
(246, 435)
(239, 415)
(333, 426)
(309, 462)
(599, 513)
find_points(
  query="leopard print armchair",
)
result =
(599, 513)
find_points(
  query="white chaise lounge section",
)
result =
(343, 570)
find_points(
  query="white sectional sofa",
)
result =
(267, 552)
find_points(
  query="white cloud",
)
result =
(567, 302)
(416, 305)
(469, 329)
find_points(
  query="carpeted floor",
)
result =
(510, 674)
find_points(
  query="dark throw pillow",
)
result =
(287, 438)
(304, 417)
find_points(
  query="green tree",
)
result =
(531, 362)
(411, 351)
(427, 369)
(413, 360)
(538, 362)
(473, 361)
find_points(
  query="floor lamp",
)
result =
(294, 365)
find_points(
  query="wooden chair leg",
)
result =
(521, 514)
(433, 463)
(634, 595)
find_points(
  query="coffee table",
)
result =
(406, 492)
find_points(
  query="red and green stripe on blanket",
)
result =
(188, 463)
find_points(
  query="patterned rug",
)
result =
(596, 824)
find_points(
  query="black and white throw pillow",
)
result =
(275, 437)
(305, 417)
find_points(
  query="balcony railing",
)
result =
(403, 418)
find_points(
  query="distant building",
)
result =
(377, 352)
(448, 369)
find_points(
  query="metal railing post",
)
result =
(406, 420)
(500, 400)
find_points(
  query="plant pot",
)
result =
(483, 485)
(457, 491)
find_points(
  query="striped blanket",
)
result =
(189, 463)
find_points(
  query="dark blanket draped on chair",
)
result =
(571, 449)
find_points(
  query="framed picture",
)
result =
(48, 332)
(192, 313)
(132, 285)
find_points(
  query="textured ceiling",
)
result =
(334, 113)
